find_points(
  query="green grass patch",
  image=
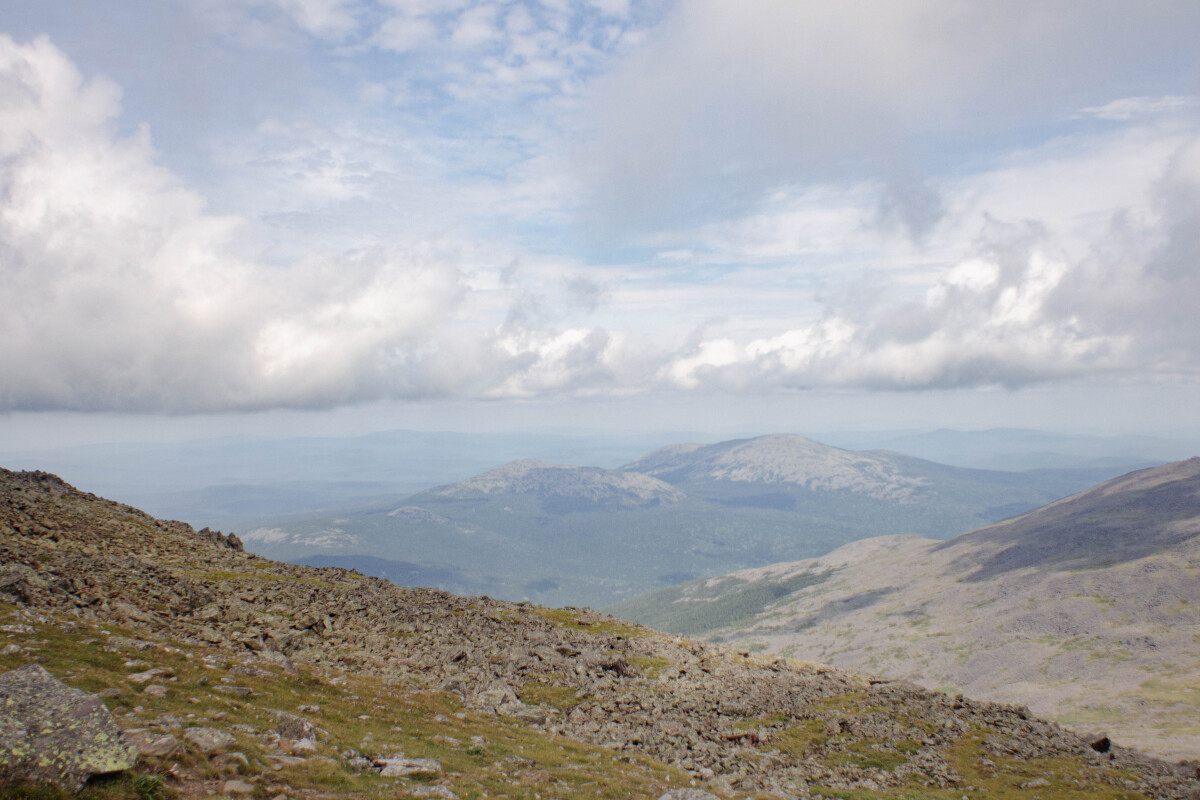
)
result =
(360, 712)
(869, 755)
(564, 698)
(650, 666)
(570, 618)
(799, 739)
(132, 785)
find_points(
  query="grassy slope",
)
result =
(482, 756)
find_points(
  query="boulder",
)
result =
(150, 743)
(293, 726)
(52, 733)
(402, 767)
(236, 787)
(210, 741)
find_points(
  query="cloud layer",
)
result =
(792, 197)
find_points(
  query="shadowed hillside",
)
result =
(1086, 609)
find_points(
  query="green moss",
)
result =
(564, 698)
(650, 666)
(570, 618)
(767, 721)
(798, 740)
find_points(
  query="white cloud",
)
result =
(400, 253)
(401, 32)
(125, 293)
(475, 26)
(1016, 311)
(725, 102)
(1129, 108)
(321, 17)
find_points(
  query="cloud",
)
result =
(401, 33)
(393, 256)
(726, 103)
(1018, 310)
(1129, 108)
(123, 292)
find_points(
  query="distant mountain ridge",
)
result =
(585, 484)
(1086, 609)
(577, 535)
(784, 459)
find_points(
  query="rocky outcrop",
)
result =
(743, 725)
(54, 734)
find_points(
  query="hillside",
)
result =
(1086, 610)
(237, 675)
(590, 536)
(566, 488)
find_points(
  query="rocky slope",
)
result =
(1086, 610)
(234, 674)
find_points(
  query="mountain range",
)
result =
(592, 536)
(1087, 609)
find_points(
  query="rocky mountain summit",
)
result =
(236, 675)
(786, 459)
(1086, 609)
(583, 485)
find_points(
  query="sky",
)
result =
(345, 215)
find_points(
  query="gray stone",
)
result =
(293, 726)
(52, 733)
(280, 761)
(495, 696)
(210, 741)
(401, 767)
(237, 787)
(149, 743)
(148, 675)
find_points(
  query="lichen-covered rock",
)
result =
(52, 733)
